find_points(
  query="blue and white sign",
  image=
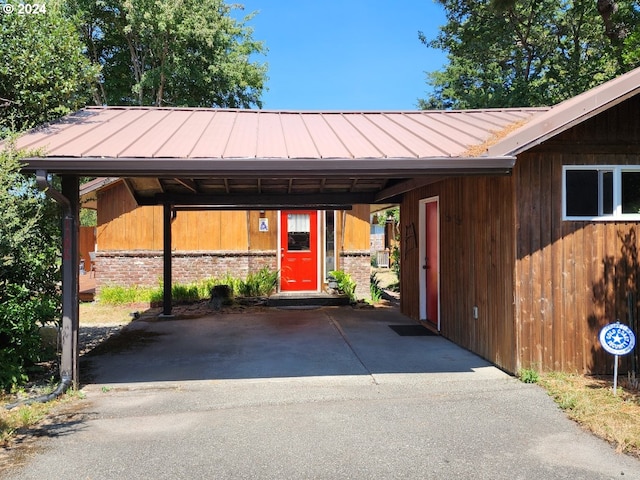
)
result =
(617, 339)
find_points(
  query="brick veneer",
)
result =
(357, 263)
(144, 268)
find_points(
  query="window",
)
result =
(329, 242)
(298, 232)
(601, 193)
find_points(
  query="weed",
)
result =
(528, 375)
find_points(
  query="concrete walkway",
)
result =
(311, 394)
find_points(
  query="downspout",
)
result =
(66, 364)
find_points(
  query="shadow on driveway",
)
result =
(330, 341)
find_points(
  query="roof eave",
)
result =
(274, 168)
(569, 113)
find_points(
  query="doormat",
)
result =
(412, 331)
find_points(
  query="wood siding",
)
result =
(544, 287)
(572, 278)
(476, 263)
(353, 229)
(124, 226)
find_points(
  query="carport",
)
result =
(184, 158)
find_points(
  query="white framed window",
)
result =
(329, 242)
(601, 192)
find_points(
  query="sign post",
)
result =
(617, 339)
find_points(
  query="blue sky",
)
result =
(346, 55)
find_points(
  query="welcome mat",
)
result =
(412, 331)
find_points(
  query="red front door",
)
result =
(431, 266)
(299, 250)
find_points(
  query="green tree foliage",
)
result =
(163, 52)
(504, 53)
(44, 73)
(29, 270)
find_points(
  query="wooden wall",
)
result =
(87, 243)
(476, 263)
(353, 229)
(573, 277)
(123, 226)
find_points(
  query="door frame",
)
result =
(319, 239)
(422, 212)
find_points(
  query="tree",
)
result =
(163, 52)
(520, 53)
(44, 73)
(29, 269)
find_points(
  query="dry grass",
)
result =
(95, 313)
(591, 403)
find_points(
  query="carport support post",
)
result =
(70, 272)
(166, 297)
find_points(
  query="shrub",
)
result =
(29, 270)
(346, 285)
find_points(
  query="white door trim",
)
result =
(422, 212)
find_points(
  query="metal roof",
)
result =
(193, 133)
(194, 156)
(245, 158)
(568, 114)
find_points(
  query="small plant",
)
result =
(375, 289)
(528, 375)
(260, 283)
(346, 285)
(395, 260)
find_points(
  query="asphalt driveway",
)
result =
(301, 394)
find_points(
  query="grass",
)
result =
(260, 283)
(590, 402)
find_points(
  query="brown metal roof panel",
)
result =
(65, 135)
(270, 141)
(213, 141)
(324, 138)
(182, 141)
(243, 137)
(354, 141)
(429, 130)
(158, 128)
(446, 139)
(384, 141)
(466, 127)
(109, 138)
(298, 140)
(411, 134)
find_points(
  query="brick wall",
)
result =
(357, 263)
(144, 268)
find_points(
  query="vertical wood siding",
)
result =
(124, 226)
(357, 228)
(572, 278)
(476, 263)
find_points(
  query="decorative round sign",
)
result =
(617, 339)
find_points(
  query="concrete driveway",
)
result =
(310, 394)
